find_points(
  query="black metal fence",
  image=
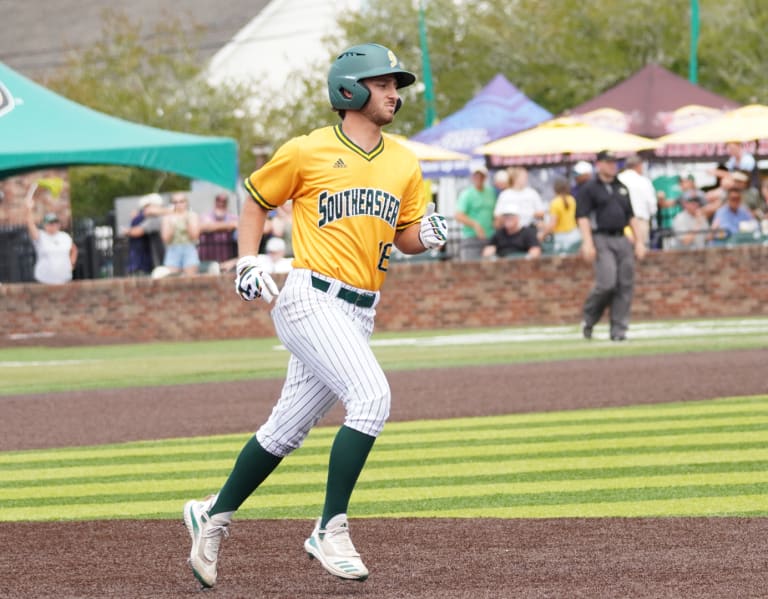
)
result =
(100, 254)
(17, 255)
(103, 255)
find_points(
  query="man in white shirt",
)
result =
(642, 194)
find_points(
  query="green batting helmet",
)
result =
(361, 62)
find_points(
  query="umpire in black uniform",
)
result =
(603, 210)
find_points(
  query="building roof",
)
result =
(34, 36)
(285, 36)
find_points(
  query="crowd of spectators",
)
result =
(671, 211)
(500, 213)
(172, 239)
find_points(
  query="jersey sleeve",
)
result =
(414, 202)
(277, 181)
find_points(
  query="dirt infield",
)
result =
(412, 558)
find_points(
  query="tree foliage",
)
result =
(559, 53)
(155, 80)
(563, 53)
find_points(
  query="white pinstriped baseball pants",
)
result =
(331, 359)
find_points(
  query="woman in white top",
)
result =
(520, 198)
(56, 252)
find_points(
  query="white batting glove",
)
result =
(252, 282)
(434, 229)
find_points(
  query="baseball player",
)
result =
(355, 195)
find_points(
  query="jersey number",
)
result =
(385, 249)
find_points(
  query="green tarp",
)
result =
(39, 128)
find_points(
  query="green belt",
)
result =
(364, 300)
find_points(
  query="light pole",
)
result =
(429, 91)
(693, 63)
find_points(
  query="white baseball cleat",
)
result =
(207, 533)
(333, 548)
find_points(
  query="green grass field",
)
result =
(707, 458)
(46, 369)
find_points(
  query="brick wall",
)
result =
(421, 295)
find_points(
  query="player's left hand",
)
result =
(252, 282)
(434, 229)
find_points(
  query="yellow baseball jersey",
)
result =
(347, 203)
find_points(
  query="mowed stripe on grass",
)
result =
(683, 459)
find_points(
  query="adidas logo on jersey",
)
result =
(339, 164)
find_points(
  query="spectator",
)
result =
(474, 210)
(603, 211)
(641, 194)
(582, 172)
(715, 198)
(218, 229)
(145, 246)
(668, 192)
(181, 231)
(55, 250)
(733, 217)
(520, 199)
(688, 188)
(280, 224)
(274, 261)
(562, 222)
(512, 239)
(738, 160)
(690, 227)
(751, 198)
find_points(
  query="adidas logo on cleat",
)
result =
(339, 164)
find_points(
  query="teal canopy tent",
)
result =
(39, 128)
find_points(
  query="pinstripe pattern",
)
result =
(331, 359)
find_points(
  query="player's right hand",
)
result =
(252, 282)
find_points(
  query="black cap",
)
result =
(607, 155)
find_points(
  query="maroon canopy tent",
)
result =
(654, 102)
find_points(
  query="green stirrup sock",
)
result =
(348, 454)
(252, 467)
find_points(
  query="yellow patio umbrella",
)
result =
(565, 136)
(748, 123)
(425, 151)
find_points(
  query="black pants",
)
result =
(614, 283)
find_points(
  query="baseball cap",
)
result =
(607, 155)
(480, 169)
(582, 167)
(692, 197)
(50, 217)
(153, 199)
